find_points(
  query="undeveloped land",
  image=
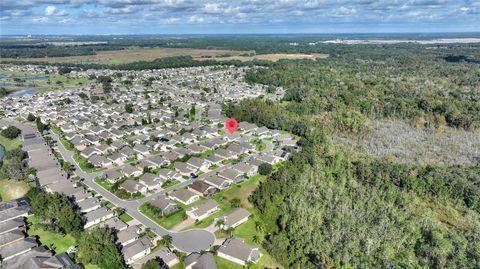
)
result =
(270, 57)
(150, 54)
(134, 55)
(403, 143)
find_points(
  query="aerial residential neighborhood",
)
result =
(149, 162)
(202, 134)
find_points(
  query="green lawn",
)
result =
(172, 220)
(166, 222)
(82, 162)
(10, 144)
(179, 265)
(206, 153)
(259, 144)
(91, 266)
(103, 183)
(67, 144)
(170, 183)
(12, 189)
(223, 198)
(54, 241)
(247, 230)
(226, 264)
(125, 217)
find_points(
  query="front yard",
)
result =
(167, 222)
(83, 163)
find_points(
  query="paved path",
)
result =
(188, 241)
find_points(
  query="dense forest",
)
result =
(420, 87)
(327, 208)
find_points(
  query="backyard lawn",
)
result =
(10, 144)
(12, 189)
(226, 264)
(223, 198)
(53, 241)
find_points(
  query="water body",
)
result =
(4, 75)
(2, 84)
(34, 78)
(2, 152)
(23, 92)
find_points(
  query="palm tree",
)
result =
(259, 226)
(256, 239)
(236, 203)
(249, 265)
(229, 232)
(167, 241)
(219, 223)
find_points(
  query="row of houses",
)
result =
(17, 250)
(41, 157)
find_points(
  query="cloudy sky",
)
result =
(236, 16)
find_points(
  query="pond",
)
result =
(34, 77)
(3, 84)
(23, 92)
(2, 152)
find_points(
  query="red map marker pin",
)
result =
(231, 125)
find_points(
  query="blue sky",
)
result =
(240, 16)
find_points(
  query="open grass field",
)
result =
(53, 82)
(11, 189)
(269, 57)
(134, 55)
(150, 54)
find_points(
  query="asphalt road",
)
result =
(188, 241)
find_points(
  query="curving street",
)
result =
(187, 241)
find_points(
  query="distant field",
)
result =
(134, 55)
(270, 57)
(150, 54)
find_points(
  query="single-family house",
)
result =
(137, 250)
(131, 171)
(112, 176)
(150, 181)
(96, 216)
(184, 196)
(203, 209)
(237, 251)
(128, 235)
(231, 175)
(132, 186)
(200, 261)
(202, 188)
(164, 204)
(245, 168)
(217, 182)
(198, 163)
(234, 218)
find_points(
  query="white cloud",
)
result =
(40, 20)
(195, 19)
(122, 10)
(54, 11)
